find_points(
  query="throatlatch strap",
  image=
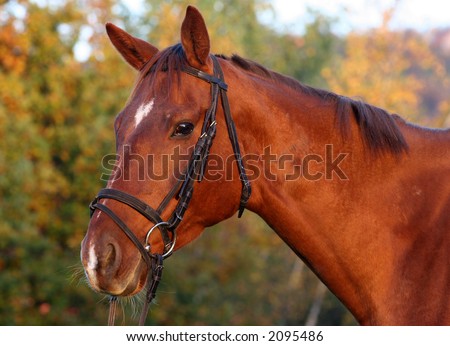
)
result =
(246, 186)
(219, 80)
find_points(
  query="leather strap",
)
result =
(127, 231)
(135, 203)
(232, 134)
(205, 76)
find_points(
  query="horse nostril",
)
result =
(109, 260)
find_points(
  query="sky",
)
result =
(355, 14)
(362, 14)
(292, 15)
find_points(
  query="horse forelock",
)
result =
(169, 61)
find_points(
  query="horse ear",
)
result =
(134, 50)
(195, 38)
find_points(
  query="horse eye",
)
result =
(183, 129)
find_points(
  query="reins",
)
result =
(182, 190)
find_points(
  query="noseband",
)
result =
(182, 190)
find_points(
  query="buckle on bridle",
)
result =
(169, 251)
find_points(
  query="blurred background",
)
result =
(61, 85)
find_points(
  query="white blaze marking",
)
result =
(142, 112)
(93, 261)
(91, 267)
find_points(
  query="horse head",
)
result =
(167, 138)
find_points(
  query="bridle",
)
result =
(182, 190)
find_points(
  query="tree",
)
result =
(56, 123)
(391, 69)
(49, 161)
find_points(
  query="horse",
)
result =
(359, 194)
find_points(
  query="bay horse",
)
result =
(359, 194)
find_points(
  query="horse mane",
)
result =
(379, 129)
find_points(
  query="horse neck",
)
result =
(338, 220)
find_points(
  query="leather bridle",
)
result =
(182, 190)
